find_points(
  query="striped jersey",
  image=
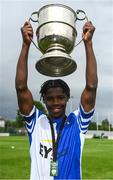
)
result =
(69, 148)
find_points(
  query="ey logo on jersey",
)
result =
(45, 150)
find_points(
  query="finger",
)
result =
(30, 33)
(27, 23)
(88, 28)
(28, 29)
(88, 23)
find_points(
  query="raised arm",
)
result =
(24, 96)
(89, 94)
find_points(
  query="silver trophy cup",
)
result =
(56, 37)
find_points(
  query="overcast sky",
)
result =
(12, 17)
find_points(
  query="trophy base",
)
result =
(56, 64)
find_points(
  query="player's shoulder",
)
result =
(81, 112)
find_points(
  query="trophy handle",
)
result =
(34, 13)
(34, 20)
(80, 19)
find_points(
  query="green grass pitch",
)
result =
(97, 161)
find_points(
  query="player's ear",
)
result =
(68, 99)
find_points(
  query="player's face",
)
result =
(55, 101)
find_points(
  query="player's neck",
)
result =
(52, 118)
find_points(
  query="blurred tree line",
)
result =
(105, 125)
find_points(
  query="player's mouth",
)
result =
(56, 109)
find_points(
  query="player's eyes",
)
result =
(61, 97)
(49, 98)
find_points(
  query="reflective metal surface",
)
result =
(56, 37)
(56, 64)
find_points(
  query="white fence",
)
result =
(103, 134)
(4, 134)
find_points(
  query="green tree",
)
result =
(40, 106)
(92, 126)
(105, 125)
(19, 120)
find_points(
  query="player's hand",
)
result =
(27, 33)
(88, 31)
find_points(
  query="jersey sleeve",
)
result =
(84, 118)
(30, 119)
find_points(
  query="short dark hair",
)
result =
(54, 83)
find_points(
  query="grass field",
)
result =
(15, 161)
